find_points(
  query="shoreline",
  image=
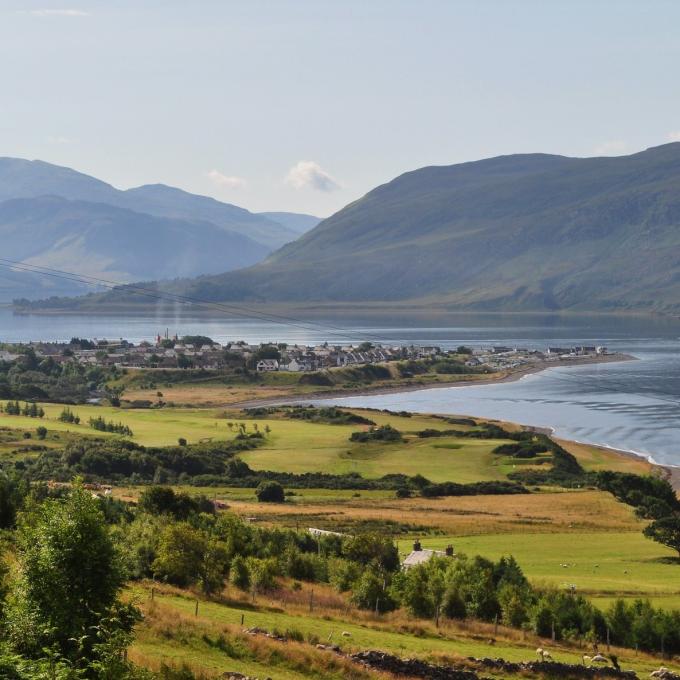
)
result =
(367, 391)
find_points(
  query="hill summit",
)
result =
(520, 232)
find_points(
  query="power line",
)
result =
(182, 299)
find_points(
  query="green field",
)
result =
(388, 633)
(299, 446)
(606, 563)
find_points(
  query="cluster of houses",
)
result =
(174, 353)
(302, 358)
(501, 357)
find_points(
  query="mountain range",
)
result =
(520, 232)
(56, 217)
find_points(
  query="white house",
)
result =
(266, 365)
(420, 555)
(292, 365)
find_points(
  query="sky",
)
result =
(306, 105)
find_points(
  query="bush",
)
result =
(384, 433)
(270, 492)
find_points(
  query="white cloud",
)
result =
(226, 181)
(611, 148)
(59, 140)
(310, 175)
(58, 13)
(674, 136)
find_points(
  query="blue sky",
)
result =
(307, 105)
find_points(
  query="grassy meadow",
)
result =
(173, 631)
(300, 446)
(561, 538)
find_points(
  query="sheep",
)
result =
(598, 658)
(543, 655)
(346, 633)
(660, 672)
(539, 653)
(586, 659)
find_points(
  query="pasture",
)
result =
(188, 635)
(604, 563)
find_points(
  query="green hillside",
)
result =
(515, 232)
(522, 232)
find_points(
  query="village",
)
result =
(199, 352)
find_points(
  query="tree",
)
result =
(183, 361)
(157, 500)
(187, 555)
(270, 492)
(197, 340)
(369, 593)
(181, 554)
(41, 432)
(12, 493)
(372, 548)
(239, 575)
(665, 531)
(70, 578)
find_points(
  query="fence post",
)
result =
(196, 610)
(243, 618)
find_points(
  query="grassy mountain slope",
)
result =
(515, 232)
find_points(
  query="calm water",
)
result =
(633, 405)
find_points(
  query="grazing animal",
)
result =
(543, 654)
(660, 672)
(587, 659)
(539, 653)
(598, 658)
(346, 634)
(546, 656)
(491, 641)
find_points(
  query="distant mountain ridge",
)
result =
(104, 241)
(297, 222)
(53, 215)
(523, 232)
